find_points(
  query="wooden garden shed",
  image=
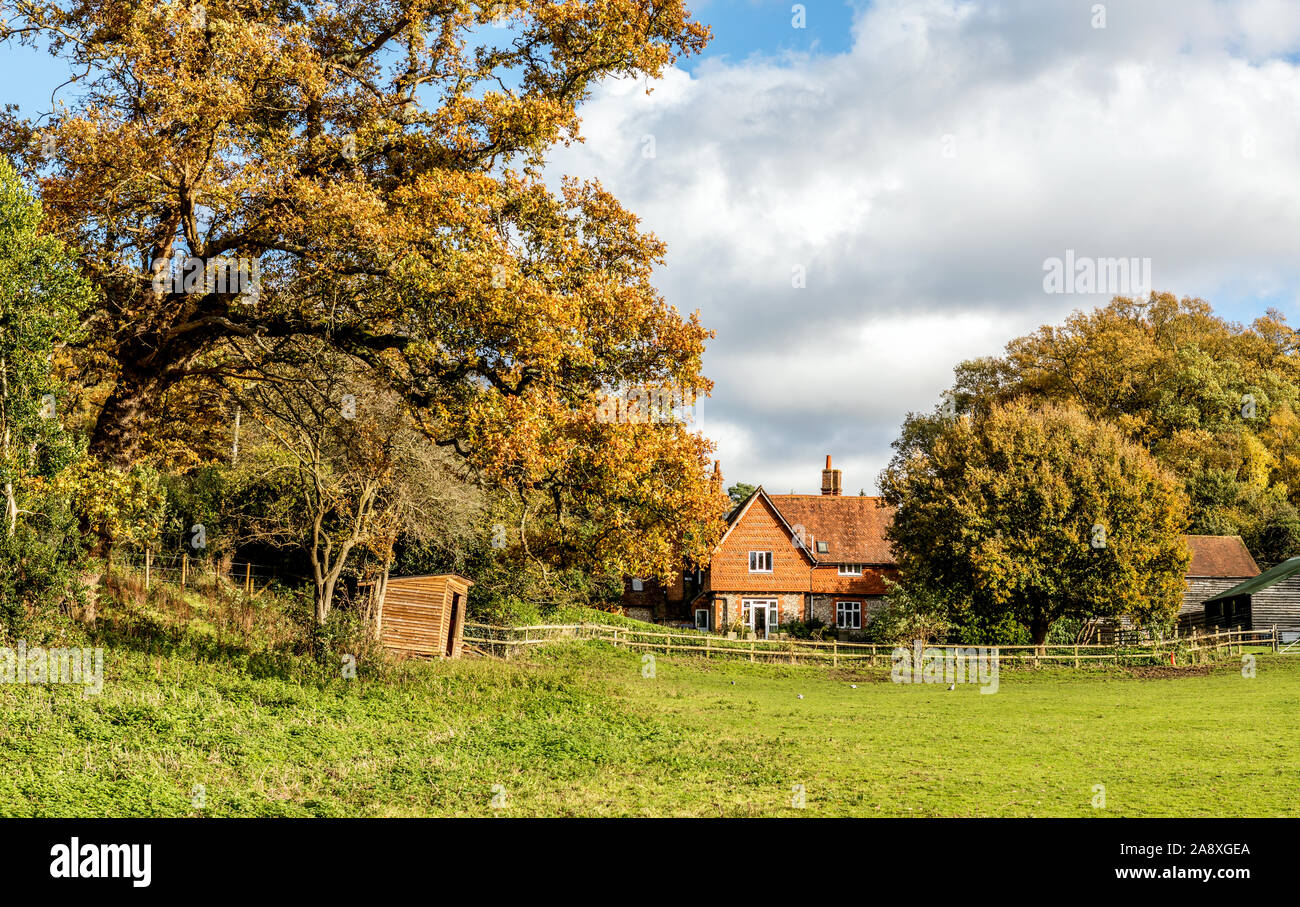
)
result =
(422, 615)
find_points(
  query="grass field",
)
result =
(576, 730)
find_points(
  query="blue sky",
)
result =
(858, 204)
(741, 28)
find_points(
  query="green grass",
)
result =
(575, 730)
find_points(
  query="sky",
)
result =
(859, 196)
(922, 162)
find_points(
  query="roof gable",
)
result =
(1220, 556)
(853, 527)
(759, 495)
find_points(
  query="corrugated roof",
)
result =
(1269, 577)
(852, 526)
(1220, 556)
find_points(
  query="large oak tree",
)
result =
(380, 161)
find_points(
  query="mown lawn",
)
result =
(576, 730)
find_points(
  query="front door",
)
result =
(760, 615)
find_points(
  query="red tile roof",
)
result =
(1220, 555)
(852, 526)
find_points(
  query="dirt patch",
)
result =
(851, 675)
(1161, 672)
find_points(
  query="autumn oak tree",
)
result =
(1214, 402)
(380, 164)
(1035, 514)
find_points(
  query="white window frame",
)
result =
(761, 557)
(823, 547)
(705, 624)
(841, 611)
(747, 606)
(850, 569)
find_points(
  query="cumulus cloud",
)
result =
(920, 181)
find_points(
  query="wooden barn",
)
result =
(1219, 563)
(422, 615)
(1271, 599)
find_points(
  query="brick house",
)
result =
(784, 557)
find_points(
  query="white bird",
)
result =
(853, 686)
(951, 687)
(801, 695)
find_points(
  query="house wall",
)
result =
(1278, 604)
(1191, 616)
(727, 608)
(647, 599)
(826, 579)
(759, 530)
(824, 607)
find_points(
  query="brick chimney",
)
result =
(830, 478)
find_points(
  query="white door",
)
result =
(760, 615)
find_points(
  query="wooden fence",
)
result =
(183, 571)
(507, 642)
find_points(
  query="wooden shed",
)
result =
(422, 615)
(1271, 599)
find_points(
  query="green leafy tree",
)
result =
(1214, 402)
(739, 492)
(1033, 514)
(41, 294)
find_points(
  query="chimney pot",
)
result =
(830, 478)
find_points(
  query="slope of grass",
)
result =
(576, 729)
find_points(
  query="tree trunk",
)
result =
(324, 599)
(1038, 628)
(11, 510)
(121, 429)
(380, 590)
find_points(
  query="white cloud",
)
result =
(1171, 134)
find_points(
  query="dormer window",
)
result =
(823, 547)
(850, 569)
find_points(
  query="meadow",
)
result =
(576, 729)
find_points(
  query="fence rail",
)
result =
(509, 641)
(182, 570)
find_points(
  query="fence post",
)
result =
(1076, 654)
(1274, 639)
(248, 578)
(185, 567)
(148, 563)
(835, 652)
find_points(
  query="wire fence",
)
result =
(179, 569)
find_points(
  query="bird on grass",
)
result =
(951, 687)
